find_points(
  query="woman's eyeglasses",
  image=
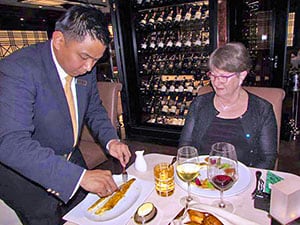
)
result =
(222, 78)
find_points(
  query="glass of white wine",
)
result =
(187, 168)
(222, 170)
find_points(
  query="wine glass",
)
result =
(187, 168)
(222, 170)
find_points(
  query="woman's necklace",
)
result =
(227, 107)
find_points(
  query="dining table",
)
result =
(168, 207)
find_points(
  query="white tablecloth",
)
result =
(168, 207)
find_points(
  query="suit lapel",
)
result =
(82, 85)
(54, 83)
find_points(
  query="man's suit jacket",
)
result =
(35, 123)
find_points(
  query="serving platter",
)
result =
(240, 185)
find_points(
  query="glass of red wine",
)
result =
(222, 170)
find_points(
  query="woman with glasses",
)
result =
(230, 113)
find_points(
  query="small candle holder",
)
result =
(285, 201)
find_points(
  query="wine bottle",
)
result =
(143, 22)
(197, 16)
(188, 42)
(144, 68)
(189, 91)
(149, 104)
(152, 45)
(188, 15)
(182, 107)
(163, 89)
(204, 11)
(151, 21)
(170, 67)
(143, 45)
(178, 64)
(160, 45)
(173, 107)
(160, 20)
(178, 43)
(196, 42)
(162, 66)
(171, 91)
(143, 88)
(169, 44)
(153, 68)
(180, 92)
(178, 16)
(155, 86)
(169, 19)
(165, 106)
(205, 36)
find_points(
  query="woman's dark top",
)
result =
(258, 125)
(226, 130)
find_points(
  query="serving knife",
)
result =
(124, 175)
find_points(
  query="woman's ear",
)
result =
(58, 39)
(242, 77)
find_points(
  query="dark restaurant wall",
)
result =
(18, 18)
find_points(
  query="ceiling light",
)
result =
(60, 3)
(54, 3)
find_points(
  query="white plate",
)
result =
(78, 214)
(241, 185)
(124, 204)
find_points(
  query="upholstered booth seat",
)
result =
(92, 152)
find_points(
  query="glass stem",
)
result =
(222, 203)
(189, 197)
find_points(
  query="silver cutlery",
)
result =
(173, 161)
(258, 182)
(124, 175)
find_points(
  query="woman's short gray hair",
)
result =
(231, 57)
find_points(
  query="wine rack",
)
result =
(172, 46)
(163, 50)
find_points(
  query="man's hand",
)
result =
(99, 182)
(120, 151)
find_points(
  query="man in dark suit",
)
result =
(42, 171)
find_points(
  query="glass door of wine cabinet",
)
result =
(165, 45)
(262, 26)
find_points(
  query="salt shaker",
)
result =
(140, 163)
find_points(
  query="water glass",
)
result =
(164, 179)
